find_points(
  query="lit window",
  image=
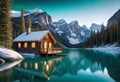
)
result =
(19, 45)
(33, 45)
(50, 45)
(45, 44)
(25, 45)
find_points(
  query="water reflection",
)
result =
(79, 66)
(94, 61)
(6, 71)
(36, 69)
(111, 62)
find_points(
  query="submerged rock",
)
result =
(2, 61)
(9, 55)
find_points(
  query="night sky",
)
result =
(84, 11)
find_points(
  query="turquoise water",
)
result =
(79, 66)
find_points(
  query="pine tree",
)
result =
(22, 22)
(102, 34)
(5, 24)
(29, 22)
(107, 36)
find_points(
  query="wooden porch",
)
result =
(50, 50)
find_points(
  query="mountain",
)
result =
(72, 32)
(40, 20)
(95, 27)
(114, 18)
(67, 34)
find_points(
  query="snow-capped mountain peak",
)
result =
(62, 21)
(26, 12)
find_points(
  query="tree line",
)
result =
(5, 24)
(106, 35)
(6, 29)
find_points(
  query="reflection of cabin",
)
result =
(42, 68)
(40, 42)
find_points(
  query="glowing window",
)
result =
(33, 45)
(45, 44)
(50, 45)
(25, 45)
(19, 45)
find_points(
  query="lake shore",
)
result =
(111, 49)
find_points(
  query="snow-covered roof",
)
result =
(33, 36)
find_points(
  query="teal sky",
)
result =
(84, 11)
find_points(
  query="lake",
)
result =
(79, 66)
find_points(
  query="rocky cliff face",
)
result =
(114, 18)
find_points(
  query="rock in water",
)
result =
(2, 61)
(9, 55)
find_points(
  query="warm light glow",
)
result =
(50, 45)
(45, 63)
(25, 65)
(47, 67)
(25, 45)
(33, 45)
(19, 45)
(50, 63)
(36, 66)
(45, 44)
(46, 36)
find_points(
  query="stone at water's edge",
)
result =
(9, 55)
(2, 61)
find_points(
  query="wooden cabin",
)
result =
(39, 42)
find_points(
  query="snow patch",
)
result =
(82, 33)
(73, 40)
(9, 54)
(26, 12)
(60, 32)
(15, 13)
(109, 49)
(56, 29)
(28, 55)
(73, 34)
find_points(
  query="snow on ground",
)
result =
(28, 55)
(9, 54)
(109, 49)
